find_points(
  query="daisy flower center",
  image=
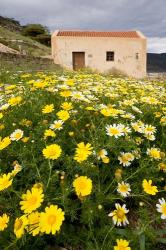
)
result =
(114, 131)
(123, 188)
(120, 214)
(164, 209)
(51, 219)
(17, 135)
(82, 185)
(58, 125)
(33, 200)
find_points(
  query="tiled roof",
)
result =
(123, 34)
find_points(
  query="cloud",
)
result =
(145, 15)
(157, 45)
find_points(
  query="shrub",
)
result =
(44, 39)
(34, 30)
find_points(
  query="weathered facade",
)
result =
(102, 51)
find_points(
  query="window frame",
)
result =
(110, 56)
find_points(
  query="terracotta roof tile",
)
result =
(123, 34)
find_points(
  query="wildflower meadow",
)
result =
(82, 162)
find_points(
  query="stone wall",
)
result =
(12, 61)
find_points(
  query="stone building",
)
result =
(104, 51)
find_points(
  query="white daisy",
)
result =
(16, 135)
(150, 137)
(4, 106)
(149, 129)
(125, 129)
(115, 130)
(134, 108)
(126, 158)
(119, 215)
(124, 189)
(161, 208)
(101, 154)
(57, 125)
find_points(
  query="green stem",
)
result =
(138, 170)
(109, 186)
(106, 237)
(50, 171)
(97, 247)
(36, 166)
(38, 172)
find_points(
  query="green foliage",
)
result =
(38, 33)
(44, 39)
(34, 30)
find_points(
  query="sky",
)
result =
(148, 16)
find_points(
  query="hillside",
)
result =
(10, 24)
(11, 36)
(19, 42)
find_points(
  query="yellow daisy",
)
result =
(48, 109)
(122, 245)
(1, 115)
(67, 106)
(82, 151)
(5, 181)
(63, 115)
(49, 133)
(4, 142)
(32, 200)
(33, 223)
(19, 226)
(51, 220)
(52, 151)
(15, 100)
(148, 188)
(83, 186)
(4, 219)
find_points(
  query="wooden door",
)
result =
(78, 60)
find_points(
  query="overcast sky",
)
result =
(148, 16)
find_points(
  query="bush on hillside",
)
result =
(37, 32)
(34, 30)
(44, 39)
